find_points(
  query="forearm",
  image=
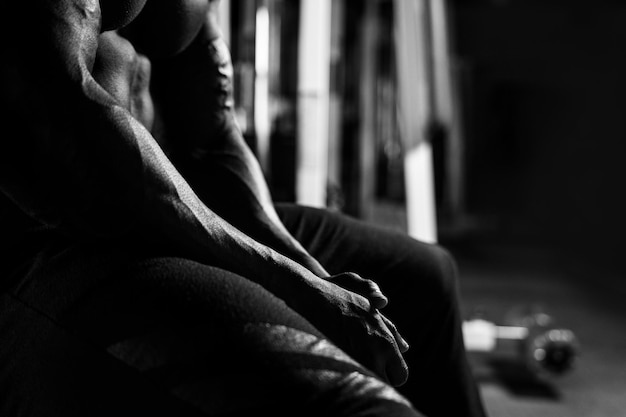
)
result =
(230, 182)
(195, 90)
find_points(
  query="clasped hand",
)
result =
(350, 317)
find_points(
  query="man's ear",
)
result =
(118, 13)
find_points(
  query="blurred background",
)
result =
(496, 128)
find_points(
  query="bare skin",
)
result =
(91, 169)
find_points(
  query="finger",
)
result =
(364, 287)
(378, 347)
(403, 346)
(376, 296)
(396, 371)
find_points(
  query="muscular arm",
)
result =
(79, 163)
(82, 165)
(195, 91)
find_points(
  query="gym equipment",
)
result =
(529, 337)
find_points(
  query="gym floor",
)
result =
(497, 278)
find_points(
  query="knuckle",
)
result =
(373, 285)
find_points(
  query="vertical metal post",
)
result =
(261, 83)
(313, 102)
(367, 110)
(336, 114)
(446, 108)
(413, 52)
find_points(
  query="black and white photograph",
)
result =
(313, 208)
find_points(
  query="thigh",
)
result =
(420, 280)
(392, 258)
(208, 339)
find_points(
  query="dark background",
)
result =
(544, 98)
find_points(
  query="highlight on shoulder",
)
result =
(166, 27)
(118, 13)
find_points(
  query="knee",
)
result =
(434, 273)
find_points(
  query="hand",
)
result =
(350, 320)
(365, 287)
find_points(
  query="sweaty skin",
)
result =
(165, 28)
(90, 169)
(117, 14)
